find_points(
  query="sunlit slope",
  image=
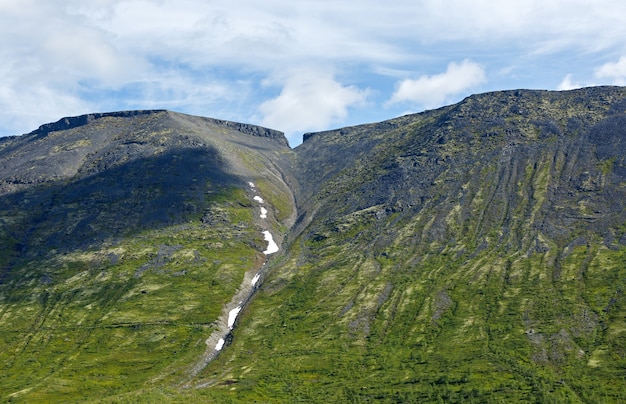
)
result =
(471, 253)
(123, 236)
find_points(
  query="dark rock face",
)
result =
(254, 130)
(148, 192)
(490, 149)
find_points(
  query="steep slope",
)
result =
(472, 253)
(125, 237)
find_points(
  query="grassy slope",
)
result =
(112, 281)
(114, 318)
(487, 329)
(495, 278)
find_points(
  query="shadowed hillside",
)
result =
(124, 238)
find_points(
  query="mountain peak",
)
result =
(73, 122)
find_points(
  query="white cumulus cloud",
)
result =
(432, 91)
(310, 99)
(568, 84)
(616, 71)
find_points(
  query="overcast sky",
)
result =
(294, 65)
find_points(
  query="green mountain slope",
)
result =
(124, 239)
(473, 253)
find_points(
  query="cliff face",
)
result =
(473, 252)
(73, 122)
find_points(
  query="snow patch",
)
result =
(232, 316)
(255, 279)
(272, 247)
(258, 199)
(263, 213)
(219, 345)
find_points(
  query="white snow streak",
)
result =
(255, 279)
(272, 247)
(232, 316)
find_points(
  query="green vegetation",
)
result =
(121, 251)
(410, 325)
(111, 320)
(462, 256)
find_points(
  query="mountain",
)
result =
(125, 237)
(473, 253)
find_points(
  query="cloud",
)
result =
(615, 72)
(432, 91)
(568, 84)
(59, 46)
(310, 99)
(34, 106)
(254, 34)
(209, 57)
(544, 26)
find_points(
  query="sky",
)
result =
(294, 65)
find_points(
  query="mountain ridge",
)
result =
(72, 122)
